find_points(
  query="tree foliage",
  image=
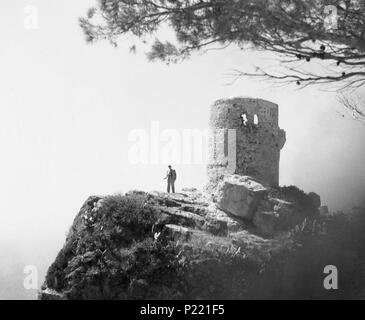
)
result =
(297, 31)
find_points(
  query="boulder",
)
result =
(239, 195)
(316, 199)
(276, 215)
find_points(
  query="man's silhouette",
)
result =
(171, 177)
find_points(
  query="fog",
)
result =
(68, 108)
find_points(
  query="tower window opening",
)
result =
(226, 142)
(244, 120)
(255, 120)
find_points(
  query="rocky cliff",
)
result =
(178, 246)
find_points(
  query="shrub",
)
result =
(297, 273)
(109, 243)
(294, 194)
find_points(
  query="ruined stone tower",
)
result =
(245, 139)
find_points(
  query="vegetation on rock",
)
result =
(154, 246)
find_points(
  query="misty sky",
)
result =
(67, 108)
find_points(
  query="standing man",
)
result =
(171, 177)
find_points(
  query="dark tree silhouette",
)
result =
(297, 31)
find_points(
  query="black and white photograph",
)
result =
(161, 151)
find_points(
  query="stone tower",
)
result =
(245, 139)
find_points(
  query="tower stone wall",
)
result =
(245, 139)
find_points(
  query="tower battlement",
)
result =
(245, 140)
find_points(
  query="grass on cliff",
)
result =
(110, 253)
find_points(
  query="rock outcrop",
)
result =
(240, 195)
(173, 246)
(270, 210)
(316, 199)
